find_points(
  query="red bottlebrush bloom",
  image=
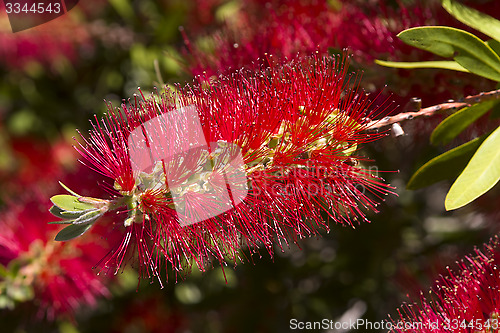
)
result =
(249, 160)
(465, 300)
(54, 277)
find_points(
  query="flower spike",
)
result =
(247, 161)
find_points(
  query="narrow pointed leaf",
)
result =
(69, 203)
(474, 18)
(89, 217)
(445, 166)
(453, 125)
(480, 175)
(74, 215)
(70, 191)
(61, 222)
(72, 231)
(465, 48)
(445, 64)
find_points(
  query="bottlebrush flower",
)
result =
(54, 277)
(465, 300)
(250, 160)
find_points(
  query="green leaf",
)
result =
(473, 18)
(89, 217)
(73, 215)
(494, 45)
(68, 189)
(453, 125)
(452, 65)
(465, 48)
(72, 231)
(69, 203)
(480, 175)
(58, 212)
(445, 166)
(61, 222)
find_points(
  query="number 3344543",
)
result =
(35, 8)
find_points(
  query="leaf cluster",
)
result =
(475, 164)
(77, 211)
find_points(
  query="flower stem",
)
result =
(432, 110)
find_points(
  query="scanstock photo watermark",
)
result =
(26, 14)
(358, 324)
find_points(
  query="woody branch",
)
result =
(431, 110)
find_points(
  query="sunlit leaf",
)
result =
(465, 48)
(69, 203)
(480, 175)
(445, 166)
(453, 125)
(446, 64)
(473, 18)
(72, 231)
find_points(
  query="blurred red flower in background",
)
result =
(45, 45)
(283, 31)
(54, 277)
